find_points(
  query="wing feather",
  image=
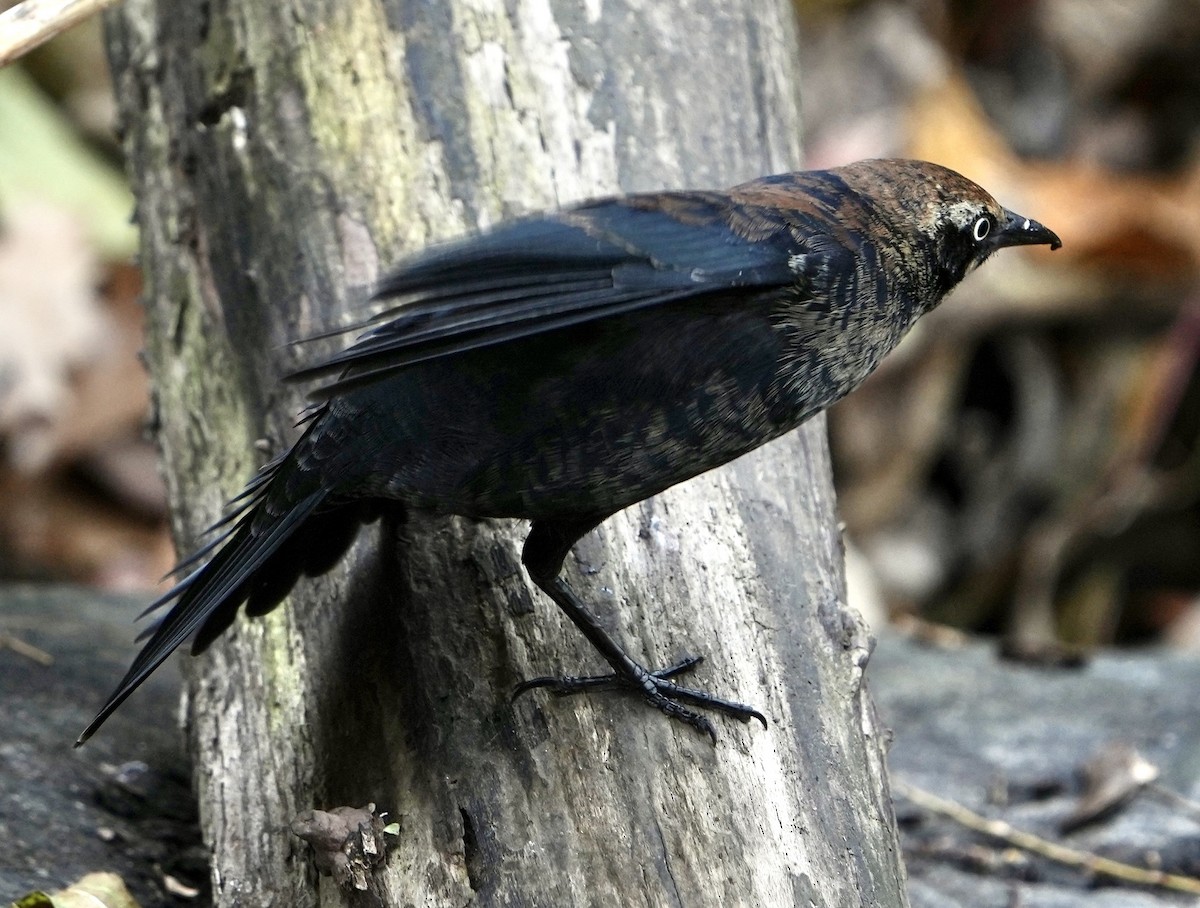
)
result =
(552, 272)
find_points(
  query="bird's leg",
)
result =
(578, 684)
(545, 549)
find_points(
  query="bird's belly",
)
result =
(616, 457)
(616, 454)
(593, 435)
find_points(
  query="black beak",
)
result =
(1021, 231)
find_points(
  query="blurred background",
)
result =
(1025, 465)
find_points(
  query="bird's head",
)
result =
(955, 220)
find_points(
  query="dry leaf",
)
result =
(96, 890)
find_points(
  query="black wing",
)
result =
(554, 271)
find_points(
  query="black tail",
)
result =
(258, 557)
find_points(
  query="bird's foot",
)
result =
(661, 692)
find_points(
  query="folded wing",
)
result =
(552, 272)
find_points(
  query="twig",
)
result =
(33, 22)
(28, 650)
(1175, 799)
(1072, 857)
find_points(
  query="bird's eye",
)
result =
(982, 228)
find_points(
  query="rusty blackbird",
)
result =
(564, 366)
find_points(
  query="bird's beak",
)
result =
(1021, 231)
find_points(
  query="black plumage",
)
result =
(564, 366)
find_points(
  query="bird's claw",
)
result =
(657, 688)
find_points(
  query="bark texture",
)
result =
(286, 152)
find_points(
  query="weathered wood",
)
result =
(284, 152)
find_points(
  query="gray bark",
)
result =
(285, 152)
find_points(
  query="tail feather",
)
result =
(311, 551)
(210, 594)
(239, 505)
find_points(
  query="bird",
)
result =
(563, 366)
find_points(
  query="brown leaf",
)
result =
(53, 325)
